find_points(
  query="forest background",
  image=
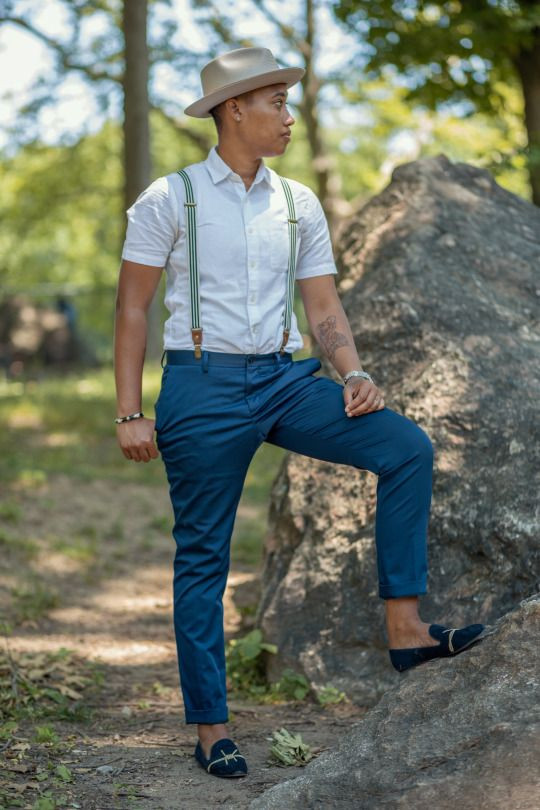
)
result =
(92, 97)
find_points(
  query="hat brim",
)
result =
(201, 107)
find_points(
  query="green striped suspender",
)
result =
(289, 299)
(191, 239)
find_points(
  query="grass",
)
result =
(62, 424)
(32, 600)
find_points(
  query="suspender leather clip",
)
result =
(196, 335)
(284, 341)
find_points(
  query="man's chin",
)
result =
(283, 146)
(276, 151)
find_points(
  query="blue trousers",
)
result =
(212, 414)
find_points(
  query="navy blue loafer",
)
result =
(225, 759)
(452, 641)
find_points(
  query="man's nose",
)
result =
(290, 120)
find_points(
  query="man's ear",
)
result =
(233, 108)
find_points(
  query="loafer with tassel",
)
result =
(225, 759)
(452, 641)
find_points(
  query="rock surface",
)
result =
(439, 276)
(458, 732)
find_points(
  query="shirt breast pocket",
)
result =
(278, 247)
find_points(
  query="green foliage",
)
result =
(64, 773)
(291, 686)
(43, 685)
(45, 734)
(448, 51)
(329, 694)
(444, 54)
(245, 663)
(289, 749)
(45, 803)
(246, 674)
(61, 212)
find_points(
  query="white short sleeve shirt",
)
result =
(242, 248)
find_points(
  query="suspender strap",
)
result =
(291, 271)
(191, 238)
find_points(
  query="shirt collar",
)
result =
(219, 170)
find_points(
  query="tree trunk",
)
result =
(328, 179)
(137, 160)
(527, 64)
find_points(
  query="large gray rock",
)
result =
(440, 278)
(460, 732)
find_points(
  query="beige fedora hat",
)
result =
(237, 72)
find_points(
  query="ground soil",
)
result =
(115, 608)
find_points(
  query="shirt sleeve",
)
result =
(315, 256)
(152, 225)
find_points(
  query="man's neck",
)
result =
(244, 165)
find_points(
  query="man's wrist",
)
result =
(131, 407)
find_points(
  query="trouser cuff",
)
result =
(218, 715)
(413, 588)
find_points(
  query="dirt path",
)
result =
(114, 607)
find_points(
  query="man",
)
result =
(230, 382)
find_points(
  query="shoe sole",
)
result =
(234, 775)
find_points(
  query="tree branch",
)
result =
(64, 54)
(287, 31)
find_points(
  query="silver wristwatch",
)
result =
(350, 374)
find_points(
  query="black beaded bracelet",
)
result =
(128, 418)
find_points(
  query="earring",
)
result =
(238, 118)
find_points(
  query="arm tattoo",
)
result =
(330, 339)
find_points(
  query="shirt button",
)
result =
(252, 299)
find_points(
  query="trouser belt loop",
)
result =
(162, 356)
(205, 362)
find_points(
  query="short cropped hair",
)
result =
(215, 112)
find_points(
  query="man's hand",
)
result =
(361, 396)
(136, 438)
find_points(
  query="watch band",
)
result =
(138, 415)
(355, 373)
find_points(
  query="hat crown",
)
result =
(236, 66)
